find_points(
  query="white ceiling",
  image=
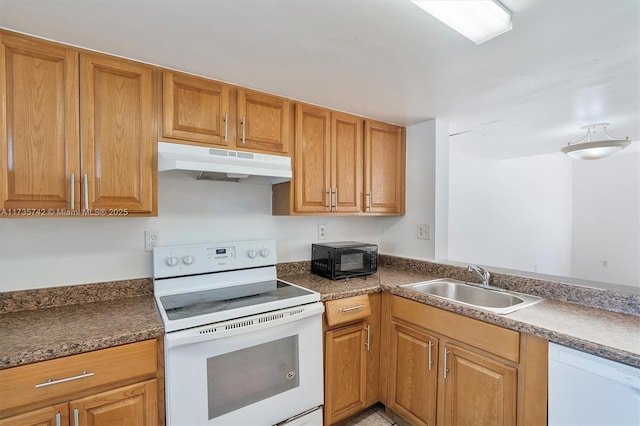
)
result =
(565, 64)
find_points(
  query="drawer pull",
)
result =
(353, 308)
(50, 382)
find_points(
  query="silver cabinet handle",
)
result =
(367, 344)
(243, 132)
(58, 419)
(226, 127)
(328, 204)
(335, 199)
(73, 190)
(369, 200)
(86, 193)
(50, 382)
(76, 417)
(352, 308)
(446, 370)
(430, 358)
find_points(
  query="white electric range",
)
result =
(241, 346)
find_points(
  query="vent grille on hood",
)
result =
(223, 164)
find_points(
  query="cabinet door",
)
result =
(477, 389)
(312, 157)
(118, 138)
(384, 168)
(39, 148)
(195, 109)
(135, 404)
(346, 162)
(413, 374)
(345, 372)
(263, 122)
(54, 415)
(373, 350)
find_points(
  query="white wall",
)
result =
(38, 253)
(606, 219)
(513, 214)
(400, 235)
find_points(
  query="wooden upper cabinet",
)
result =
(38, 123)
(263, 122)
(346, 164)
(118, 137)
(384, 168)
(312, 159)
(195, 109)
(327, 161)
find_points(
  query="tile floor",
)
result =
(374, 416)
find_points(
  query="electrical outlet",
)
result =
(322, 232)
(424, 231)
(151, 240)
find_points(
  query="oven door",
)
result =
(257, 370)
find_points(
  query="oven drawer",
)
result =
(62, 377)
(342, 311)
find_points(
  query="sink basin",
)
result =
(496, 301)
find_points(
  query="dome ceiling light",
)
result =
(592, 146)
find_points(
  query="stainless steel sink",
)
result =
(494, 300)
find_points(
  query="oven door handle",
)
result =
(243, 325)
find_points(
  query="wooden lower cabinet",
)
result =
(352, 354)
(478, 390)
(54, 415)
(413, 378)
(346, 371)
(129, 405)
(117, 386)
(447, 369)
(135, 404)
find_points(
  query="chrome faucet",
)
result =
(483, 273)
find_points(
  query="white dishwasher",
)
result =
(587, 390)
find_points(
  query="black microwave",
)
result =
(344, 259)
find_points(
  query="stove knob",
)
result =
(264, 252)
(171, 261)
(252, 254)
(188, 259)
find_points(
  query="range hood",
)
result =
(223, 164)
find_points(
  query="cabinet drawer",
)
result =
(488, 337)
(57, 378)
(342, 311)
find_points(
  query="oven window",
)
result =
(351, 262)
(241, 378)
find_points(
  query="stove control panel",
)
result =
(174, 261)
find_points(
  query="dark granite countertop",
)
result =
(37, 325)
(601, 332)
(39, 334)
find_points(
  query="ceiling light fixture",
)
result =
(477, 20)
(590, 148)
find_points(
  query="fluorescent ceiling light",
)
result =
(477, 20)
